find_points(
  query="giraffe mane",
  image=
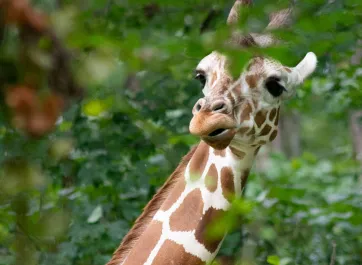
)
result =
(130, 240)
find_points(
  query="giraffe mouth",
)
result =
(217, 132)
(220, 134)
(219, 138)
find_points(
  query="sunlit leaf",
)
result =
(273, 260)
(94, 108)
(96, 214)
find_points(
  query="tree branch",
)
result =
(333, 256)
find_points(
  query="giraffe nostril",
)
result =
(200, 104)
(219, 107)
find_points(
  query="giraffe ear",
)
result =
(306, 67)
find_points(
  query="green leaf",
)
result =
(61, 148)
(94, 108)
(285, 261)
(96, 214)
(273, 260)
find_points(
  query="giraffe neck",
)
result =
(177, 232)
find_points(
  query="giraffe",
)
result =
(233, 119)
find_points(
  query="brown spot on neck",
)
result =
(174, 195)
(199, 160)
(219, 152)
(261, 142)
(273, 135)
(266, 130)
(130, 240)
(188, 215)
(172, 253)
(152, 234)
(239, 154)
(202, 233)
(227, 183)
(260, 118)
(211, 178)
(272, 114)
(277, 118)
(251, 132)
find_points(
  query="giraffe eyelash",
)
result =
(201, 77)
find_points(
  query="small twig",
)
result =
(33, 239)
(333, 256)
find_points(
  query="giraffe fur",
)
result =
(207, 201)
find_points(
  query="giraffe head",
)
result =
(245, 110)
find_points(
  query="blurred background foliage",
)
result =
(69, 197)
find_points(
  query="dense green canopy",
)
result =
(69, 197)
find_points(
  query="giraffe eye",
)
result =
(274, 87)
(202, 78)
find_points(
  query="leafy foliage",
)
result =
(84, 184)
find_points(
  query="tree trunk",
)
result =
(355, 123)
(289, 133)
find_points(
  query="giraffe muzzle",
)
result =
(220, 138)
(216, 129)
